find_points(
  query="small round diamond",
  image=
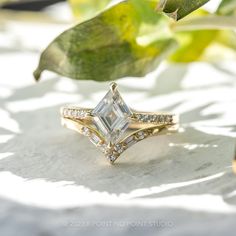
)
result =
(73, 113)
(81, 114)
(77, 114)
(154, 118)
(161, 118)
(141, 135)
(150, 118)
(86, 131)
(65, 112)
(111, 157)
(103, 147)
(142, 117)
(139, 117)
(118, 148)
(146, 118)
(169, 119)
(69, 112)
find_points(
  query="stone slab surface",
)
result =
(54, 182)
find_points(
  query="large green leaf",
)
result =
(177, 9)
(227, 7)
(107, 47)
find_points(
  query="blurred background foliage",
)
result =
(114, 39)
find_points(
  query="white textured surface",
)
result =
(54, 182)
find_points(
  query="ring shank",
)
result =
(137, 120)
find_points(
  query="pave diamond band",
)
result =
(110, 125)
(74, 112)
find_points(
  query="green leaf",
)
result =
(196, 34)
(193, 44)
(227, 7)
(145, 10)
(85, 9)
(106, 47)
(177, 9)
(227, 38)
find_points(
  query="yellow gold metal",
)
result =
(113, 86)
(234, 165)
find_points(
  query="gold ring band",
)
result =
(137, 119)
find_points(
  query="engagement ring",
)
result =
(113, 127)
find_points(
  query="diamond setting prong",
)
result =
(113, 86)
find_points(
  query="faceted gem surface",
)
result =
(111, 116)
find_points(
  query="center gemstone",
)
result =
(111, 116)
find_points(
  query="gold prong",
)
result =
(155, 131)
(62, 110)
(234, 166)
(63, 122)
(109, 145)
(113, 86)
